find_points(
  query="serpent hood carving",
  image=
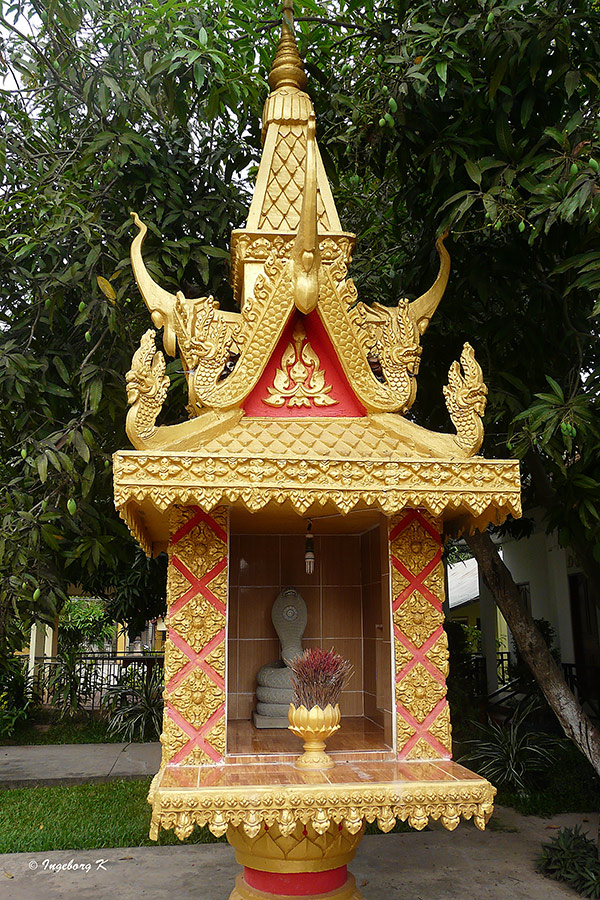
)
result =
(466, 398)
(147, 386)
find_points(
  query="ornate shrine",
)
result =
(297, 410)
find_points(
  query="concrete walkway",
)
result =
(76, 763)
(498, 864)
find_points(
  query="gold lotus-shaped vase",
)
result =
(314, 726)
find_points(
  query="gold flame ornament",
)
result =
(300, 381)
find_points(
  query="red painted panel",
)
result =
(346, 404)
(296, 884)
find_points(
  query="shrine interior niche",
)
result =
(348, 608)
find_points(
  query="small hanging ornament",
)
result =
(309, 549)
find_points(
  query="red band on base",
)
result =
(296, 884)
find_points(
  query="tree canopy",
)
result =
(479, 117)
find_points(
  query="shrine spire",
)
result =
(287, 68)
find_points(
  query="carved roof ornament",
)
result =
(466, 398)
(292, 253)
(306, 256)
(291, 260)
(299, 381)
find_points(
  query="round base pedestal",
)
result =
(314, 757)
(298, 863)
(245, 891)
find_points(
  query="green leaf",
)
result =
(571, 81)
(216, 252)
(61, 369)
(50, 538)
(95, 393)
(504, 136)
(81, 446)
(556, 388)
(496, 79)
(527, 107)
(473, 171)
(199, 74)
(442, 70)
(42, 467)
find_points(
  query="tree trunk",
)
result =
(534, 650)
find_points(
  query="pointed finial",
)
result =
(287, 68)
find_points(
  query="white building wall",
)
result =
(539, 561)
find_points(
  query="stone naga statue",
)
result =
(274, 691)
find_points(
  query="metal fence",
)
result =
(83, 679)
(468, 675)
(502, 666)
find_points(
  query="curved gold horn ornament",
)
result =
(423, 308)
(466, 398)
(160, 302)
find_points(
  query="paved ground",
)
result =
(76, 763)
(434, 865)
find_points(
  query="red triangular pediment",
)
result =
(304, 376)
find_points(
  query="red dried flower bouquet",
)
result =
(318, 678)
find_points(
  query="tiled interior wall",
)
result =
(377, 648)
(343, 580)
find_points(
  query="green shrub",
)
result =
(570, 786)
(16, 696)
(572, 857)
(71, 682)
(512, 754)
(10, 715)
(135, 705)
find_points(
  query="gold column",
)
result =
(423, 729)
(194, 718)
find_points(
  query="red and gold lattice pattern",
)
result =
(194, 720)
(423, 727)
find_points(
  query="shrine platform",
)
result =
(257, 795)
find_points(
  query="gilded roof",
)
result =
(324, 426)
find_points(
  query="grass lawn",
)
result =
(88, 816)
(81, 817)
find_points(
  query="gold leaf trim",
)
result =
(472, 493)
(347, 804)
